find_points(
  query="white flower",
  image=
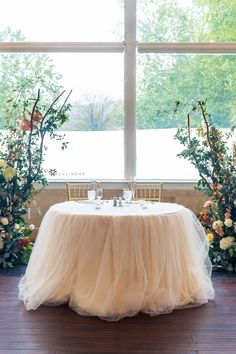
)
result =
(31, 227)
(1, 243)
(228, 222)
(16, 226)
(3, 164)
(4, 221)
(226, 242)
(216, 224)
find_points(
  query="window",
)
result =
(127, 62)
(95, 130)
(164, 79)
(63, 21)
(186, 21)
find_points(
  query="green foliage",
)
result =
(22, 73)
(220, 17)
(213, 153)
(21, 156)
(164, 78)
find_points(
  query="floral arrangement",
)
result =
(22, 150)
(213, 153)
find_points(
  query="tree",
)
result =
(24, 74)
(164, 79)
(220, 17)
(95, 113)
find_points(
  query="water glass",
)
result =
(127, 195)
(91, 195)
(99, 193)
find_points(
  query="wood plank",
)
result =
(209, 329)
(26, 352)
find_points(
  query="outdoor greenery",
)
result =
(93, 113)
(22, 150)
(165, 78)
(162, 78)
(213, 153)
(22, 73)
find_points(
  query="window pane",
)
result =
(164, 79)
(186, 20)
(71, 20)
(95, 129)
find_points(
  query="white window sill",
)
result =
(119, 184)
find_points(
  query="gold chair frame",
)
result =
(77, 191)
(148, 191)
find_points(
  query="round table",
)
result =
(113, 262)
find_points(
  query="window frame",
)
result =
(130, 46)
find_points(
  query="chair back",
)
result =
(148, 191)
(78, 191)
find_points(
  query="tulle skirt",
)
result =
(114, 266)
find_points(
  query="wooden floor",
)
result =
(209, 329)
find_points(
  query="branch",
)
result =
(189, 132)
(209, 141)
(42, 133)
(64, 103)
(56, 99)
(30, 136)
(190, 146)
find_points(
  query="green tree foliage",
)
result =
(220, 18)
(163, 78)
(24, 74)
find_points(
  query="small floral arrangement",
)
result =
(22, 151)
(213, 153)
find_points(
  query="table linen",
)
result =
(114, 262)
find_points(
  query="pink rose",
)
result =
(208, 204)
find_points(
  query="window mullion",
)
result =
(130, 89)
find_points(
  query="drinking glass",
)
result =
(99, 193)
(133, 185)
(127, 195)
(91, 195)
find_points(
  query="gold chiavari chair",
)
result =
(78, 191)
(148, 191)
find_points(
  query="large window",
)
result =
(164, 79)
(127, 63)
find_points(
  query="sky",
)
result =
(70, 20)
(73, 20)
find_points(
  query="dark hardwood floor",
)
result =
(209, 329)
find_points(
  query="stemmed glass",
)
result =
(127, 195)
(99, 193)
(133, 185)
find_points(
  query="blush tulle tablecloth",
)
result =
(113, 262)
